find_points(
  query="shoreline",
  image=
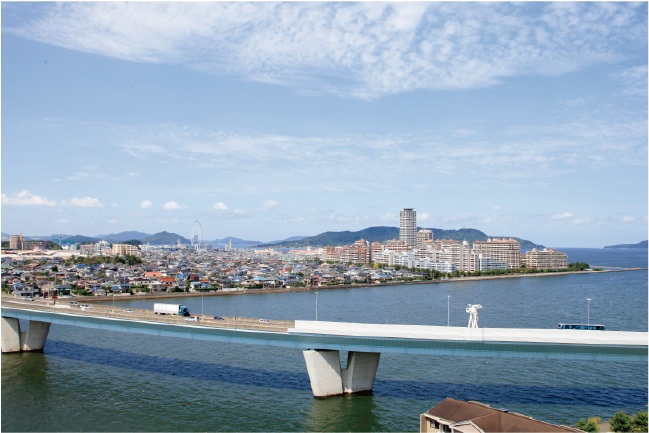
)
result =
(166, 295)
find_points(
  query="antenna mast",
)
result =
(472, 309)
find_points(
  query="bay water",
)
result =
(93, 380)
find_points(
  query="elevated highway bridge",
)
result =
(322, 342)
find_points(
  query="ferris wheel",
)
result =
(196, 235)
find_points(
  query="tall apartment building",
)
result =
(16, 242)
(408, 227)
(500, 250)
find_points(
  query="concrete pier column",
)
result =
(324, 372)
(328, 378)
(10, 335)
(32, 340)
(359, 375)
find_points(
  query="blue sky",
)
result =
(269, 120)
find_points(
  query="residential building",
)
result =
(456, 252)
(424, 239)
(546, 259)
(486, 264)
(395, 245)
(500, 250)
(125, 249)
(408, 227)
(16, 242)
(473, 417)
(34, 245)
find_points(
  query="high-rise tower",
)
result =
(408, 227)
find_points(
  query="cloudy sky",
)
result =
(269, 120)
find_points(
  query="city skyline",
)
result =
(271, 120)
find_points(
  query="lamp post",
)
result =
(588, 301)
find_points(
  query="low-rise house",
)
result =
(458, 416)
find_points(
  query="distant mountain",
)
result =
(124, 236)
(164, 238)
(5, 236)
(642, 244)
(383, 234)
(78, 239)
(236, 243)
(372, 234)
(291, 239)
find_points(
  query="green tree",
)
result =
(578, 266)
(589, 425)
(620, 422)
(639, 423)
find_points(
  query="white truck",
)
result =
(174, 309)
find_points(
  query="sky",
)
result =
(268, 120)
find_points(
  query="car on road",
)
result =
(128, 310)
(218, 318)
(192, 319)
(29, 298)
(84, 306)
(74, 304)
(264, 321)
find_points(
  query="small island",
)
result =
(642, 244)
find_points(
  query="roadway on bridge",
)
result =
(428, 340)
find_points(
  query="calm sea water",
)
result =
(89, 380)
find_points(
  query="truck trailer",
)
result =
(174, 309)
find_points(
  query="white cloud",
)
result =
(562, 216)
(359, 49)
(220, 206)
(26, 198)
(146, 204)
(91, 171)
(171, 205)
(83, 202)
(268, 204)
(629, 219)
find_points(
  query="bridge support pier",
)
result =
(32, 340)
(329, 378)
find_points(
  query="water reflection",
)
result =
(344, 413)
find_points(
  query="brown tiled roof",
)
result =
(490, 419)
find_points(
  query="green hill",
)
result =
(642, 244)
(383, 234)
(78, 239)
(164, 238)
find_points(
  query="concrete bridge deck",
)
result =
(429, 340)
(322, 341)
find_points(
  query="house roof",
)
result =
(491, 420)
